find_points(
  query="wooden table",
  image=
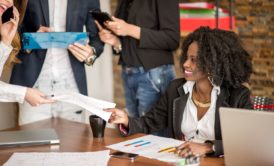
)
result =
(77, 137)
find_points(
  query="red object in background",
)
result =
(190, 24)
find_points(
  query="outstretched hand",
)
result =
(35, 97)
(118, 116)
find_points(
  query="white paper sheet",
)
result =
(150, 146)
(99, 158)
(92, 105)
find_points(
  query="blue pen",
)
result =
(136, 142)
(142, 144)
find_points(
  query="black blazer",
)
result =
(169, 111)
(160, 30)
(37, 14)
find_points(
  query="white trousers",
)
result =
(29, 114)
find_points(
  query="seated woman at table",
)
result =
(215, 65)
(8, 39)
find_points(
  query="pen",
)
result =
(142, 144)
(136, 142)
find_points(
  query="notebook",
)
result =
(28, 137)
(248, 137)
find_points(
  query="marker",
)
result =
(142, 144)
(136, 142)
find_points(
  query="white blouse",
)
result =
(8, 92)
(203, 129)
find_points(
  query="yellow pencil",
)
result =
(165, 149)
(171, 150)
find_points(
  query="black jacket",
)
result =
(160, 31)
(169, 111)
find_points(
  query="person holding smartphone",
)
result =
(215, 66)
(144, 33)
(9, 44)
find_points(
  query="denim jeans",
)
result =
(144, 88)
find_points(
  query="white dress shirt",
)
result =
(57, 68)
(203, 129)
(8, 92)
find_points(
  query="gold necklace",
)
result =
(200, 104)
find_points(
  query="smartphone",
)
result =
(7, 15)
(124, 155)
(101, 17)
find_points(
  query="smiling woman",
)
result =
(215, 65)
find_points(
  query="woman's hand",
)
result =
(189, 148)
(35, 97)
(9, 29)
(118, 116)
(107, 36)
(122, 28)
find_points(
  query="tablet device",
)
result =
(7, 15)
(101, 17)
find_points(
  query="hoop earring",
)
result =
(209, 77)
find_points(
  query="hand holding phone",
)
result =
(7, 15)
(101, 17)
(124, 155)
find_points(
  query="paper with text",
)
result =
(92, 105)
(149, 146)
(99, 158)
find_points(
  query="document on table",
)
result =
(92, 105)
(99, 158)
(44, 40)
(150, 146)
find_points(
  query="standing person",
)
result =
(9, 46)
(144, 32)
(215, 65)
(57, 69)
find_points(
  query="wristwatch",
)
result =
(118, 50)
(91, 59)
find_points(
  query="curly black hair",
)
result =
(221, 55)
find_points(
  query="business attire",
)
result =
(148, 63)
(55, 69)
(170, 112)
(8, 92)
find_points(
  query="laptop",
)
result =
(28, 137)
(248, 137)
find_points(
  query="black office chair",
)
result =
(261, 103)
